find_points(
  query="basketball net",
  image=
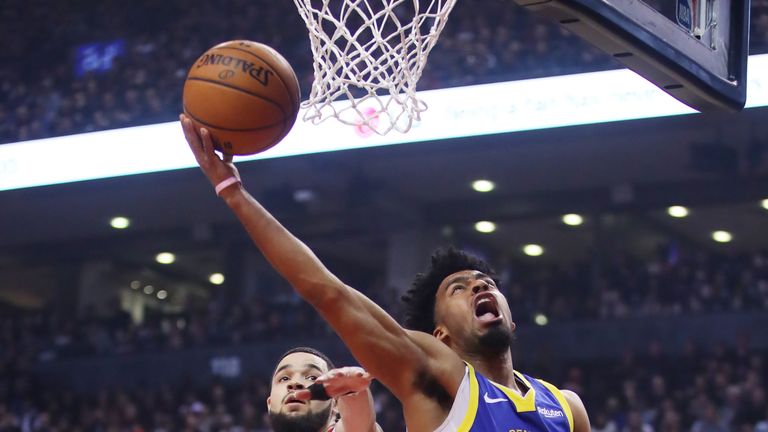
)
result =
(368, 57)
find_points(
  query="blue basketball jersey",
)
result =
(482, 405)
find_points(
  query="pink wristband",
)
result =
(225, 184)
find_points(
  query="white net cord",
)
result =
(368, 58)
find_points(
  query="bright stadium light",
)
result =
(120, 222)
(165, 258)
(573, 219)
(216, 278)
(485, 227)
(533, 250)
(162, 294)
(541, 319)
(677, 211)
(722, 236)
(149, 289)
(764, 203)
(483, 185)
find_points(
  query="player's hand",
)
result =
(341, 381)
(216, 168)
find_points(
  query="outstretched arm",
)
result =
(375, 339)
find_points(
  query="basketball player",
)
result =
(291, 410)
(458, 378)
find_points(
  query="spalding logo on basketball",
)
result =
(245, 93)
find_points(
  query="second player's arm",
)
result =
(357, 413)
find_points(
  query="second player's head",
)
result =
(458, 301)
(297, 369)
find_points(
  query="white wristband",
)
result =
(225, 184)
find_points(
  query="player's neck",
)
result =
(497, 368)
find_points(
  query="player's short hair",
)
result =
(420, 299)
(307, 350)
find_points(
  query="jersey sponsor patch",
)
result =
(550, 413)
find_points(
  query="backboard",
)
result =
(695, 50)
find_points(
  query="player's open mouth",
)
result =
(486, 308)
(291, 400)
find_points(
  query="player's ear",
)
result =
(269, 402)
(441, 333)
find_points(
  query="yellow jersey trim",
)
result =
(474, 398)
(525, 403)
(563, 402)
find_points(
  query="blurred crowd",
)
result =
(712, 388)
(47, 336)
(674, 284)
(43, 95)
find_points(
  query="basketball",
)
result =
(245, 93)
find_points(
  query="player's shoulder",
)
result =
(580, 417)
(570, 401)
(432, 346)
(573, 398)
(439, 361)
(570, 396)
(421, 336)
(437, 355)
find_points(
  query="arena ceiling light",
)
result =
(485, 227)
(541, 319)
(573, 219)
(533, 250)
(216, 278)
(120, 222)
(162, 294)
(677, 211)
(304, 195)
(764, 203)
(165, 258)
(149, 289)
(483, 185)
(721, 236)
(581, 99)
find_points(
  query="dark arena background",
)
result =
(633, 253)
